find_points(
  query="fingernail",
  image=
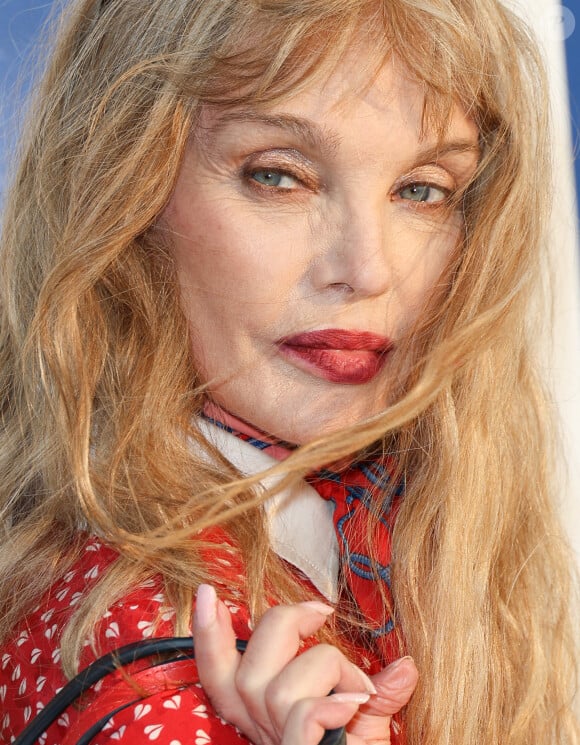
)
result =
(205, 606)
(319, 607)
(367, 682)
(349, 698)
(399, 673)
(397, 663)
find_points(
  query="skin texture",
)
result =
(326, 211)
(272, 696)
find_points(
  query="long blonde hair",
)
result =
(93, 347)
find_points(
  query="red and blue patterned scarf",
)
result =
(366, 499)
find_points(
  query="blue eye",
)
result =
(423, 193)
(273, 178)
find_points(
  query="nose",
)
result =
(356, 255)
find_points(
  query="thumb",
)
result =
(395, 685)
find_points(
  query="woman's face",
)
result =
(307, 237)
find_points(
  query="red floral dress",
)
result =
(30, 673)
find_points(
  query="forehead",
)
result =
(354, 89)
(357, 94)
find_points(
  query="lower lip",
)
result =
(346, 366)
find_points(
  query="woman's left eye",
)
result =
(276, 179)
(425, 193)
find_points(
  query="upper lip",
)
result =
(340, 339)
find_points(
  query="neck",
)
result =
(276, 448)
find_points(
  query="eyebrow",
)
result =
(317, 137)
(320, 138)
(449, 147)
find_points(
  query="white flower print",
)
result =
(22, 638)
(201, 737)
(34, 655)
(61, 594)
(173, 703)
(146, 628)
(92, 573)
(118, 735)
(112, 631)
(153, 731)
(50, 632)
(141, 710)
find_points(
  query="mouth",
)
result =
(338, 355)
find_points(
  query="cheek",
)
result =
(217, 245)
(424, 274)
(202, 249)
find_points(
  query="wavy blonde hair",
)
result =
(93, 347)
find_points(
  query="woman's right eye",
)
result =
(276, 179)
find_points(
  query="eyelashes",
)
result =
(272, 178)
(425, 193)
(287, 173)
(277, 182)
(282, 170)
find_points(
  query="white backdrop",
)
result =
(553, 23)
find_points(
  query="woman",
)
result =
(301, 238)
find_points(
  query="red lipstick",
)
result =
(338, 355)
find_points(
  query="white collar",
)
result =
(299, 521)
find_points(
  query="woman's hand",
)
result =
(275, 697)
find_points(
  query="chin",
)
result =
(303, 432)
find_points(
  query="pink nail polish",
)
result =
(205, 606)
(367, 682)
(399, 674)
(349, 698)
(319, 607)
(394, 665)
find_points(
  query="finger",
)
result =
(217, 658)
(276, 641)
(309, 718)
(288, 624)
(395, 685)
(314, 673)
(236, 687)
(273, 645)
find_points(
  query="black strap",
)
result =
(93, 731)
(166, 649)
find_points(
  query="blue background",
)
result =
(21, 19)
(573, 61)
